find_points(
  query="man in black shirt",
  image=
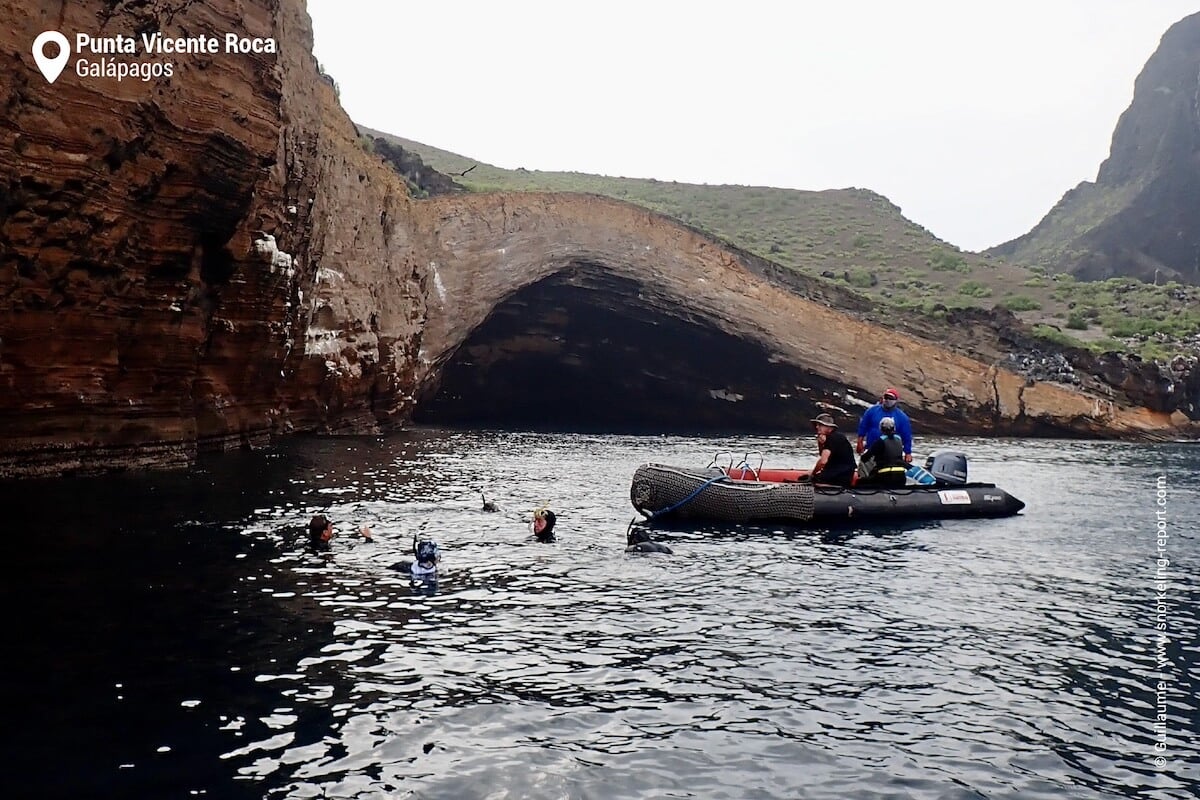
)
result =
(836, 465)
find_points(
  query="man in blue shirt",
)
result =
(868, 426)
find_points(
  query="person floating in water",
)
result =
(427, 555)
(489, 505)
(543, 525)
(321, 533)
(639, 541)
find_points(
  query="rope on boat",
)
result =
(684, 501)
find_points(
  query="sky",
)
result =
(973, 117)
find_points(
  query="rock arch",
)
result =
(784, 349)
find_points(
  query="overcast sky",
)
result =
(974, 118)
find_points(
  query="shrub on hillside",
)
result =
(1020, 303)
(946, 261)
(1076, 321)
(860, 278)
(1052, 334)
(975, 289)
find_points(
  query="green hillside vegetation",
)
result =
(1081, 211)
(859, 238)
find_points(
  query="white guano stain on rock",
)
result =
(270, 253)
(856, 401)
(319, 341)
(437, 281)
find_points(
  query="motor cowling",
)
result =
(948, 467)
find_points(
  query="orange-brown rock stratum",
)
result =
(626, 315)
(163, 244)
(206, 260)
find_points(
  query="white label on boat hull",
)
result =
(955, 497)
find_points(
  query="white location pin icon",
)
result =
(51, 67)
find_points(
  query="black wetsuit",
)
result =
(890, 468)
(648, 547)
(839, 469)
(640, 542)
(425, 572)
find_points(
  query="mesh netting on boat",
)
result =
(659, 490)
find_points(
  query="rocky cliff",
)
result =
(169, 250)
(207, 260)
(622, 315)
(1141, 217)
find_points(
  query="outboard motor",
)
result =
(948, 467)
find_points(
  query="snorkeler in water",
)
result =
(321, 533)
(543, 525)
(638, 541)
(427, 555)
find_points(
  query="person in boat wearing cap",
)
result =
(886, 457)
(887, 407)
(836, 465)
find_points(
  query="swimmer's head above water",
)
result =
(320, 532)
(543, 524)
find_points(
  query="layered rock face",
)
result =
(173, 253)
(622, 306)
(1141, 217)
(207, 260)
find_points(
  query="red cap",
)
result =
(892, 392)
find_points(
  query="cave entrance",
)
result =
(584, 350)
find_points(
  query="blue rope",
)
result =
(687, 499)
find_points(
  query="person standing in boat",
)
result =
(887, 408)
(836, 464)
(886, 457)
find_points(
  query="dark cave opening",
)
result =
(584, 350)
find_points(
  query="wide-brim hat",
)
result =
(824, 419)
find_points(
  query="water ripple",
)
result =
(963, 659)
(944, 660)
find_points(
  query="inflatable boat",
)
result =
(743, 495)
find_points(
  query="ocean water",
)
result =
(172, 637)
